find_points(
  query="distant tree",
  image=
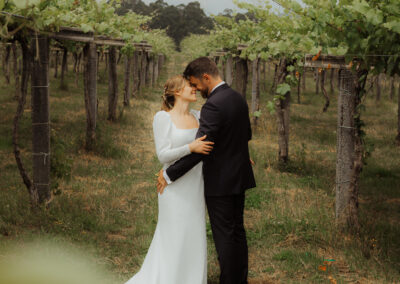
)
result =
(227, 13)
(196, 18)
(179, 21)
(158, 5)
(238, 16)
(137, 6)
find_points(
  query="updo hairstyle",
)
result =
(171, 87)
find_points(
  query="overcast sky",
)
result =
(210, 6)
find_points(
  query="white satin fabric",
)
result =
(178, 251)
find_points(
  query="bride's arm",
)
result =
(161, 128)
(166, 154)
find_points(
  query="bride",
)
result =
(178, 251)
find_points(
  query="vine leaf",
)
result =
(282, 89)
(271, 107)
(257, 113)
(393, 25)
(23, 4)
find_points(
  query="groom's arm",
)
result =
(210, 122)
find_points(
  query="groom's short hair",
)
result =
(200, 66)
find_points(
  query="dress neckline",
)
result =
(198, 122)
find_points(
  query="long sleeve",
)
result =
(210, 122)
(161, 127)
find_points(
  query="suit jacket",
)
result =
(224, 118)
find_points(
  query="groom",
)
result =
(227, 170)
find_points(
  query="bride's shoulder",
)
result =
(196, 113)
(161, 113)
(160, 116)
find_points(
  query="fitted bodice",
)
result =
(172, 143)
(180, 137)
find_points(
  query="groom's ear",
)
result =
(206, 77)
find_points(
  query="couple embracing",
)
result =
(206, 163)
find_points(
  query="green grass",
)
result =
(105, 201)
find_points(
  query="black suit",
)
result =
(227, 174)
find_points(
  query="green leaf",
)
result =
(283, 89)
(1, 4)
(23, 4)
(374, 16)
(252, 56)
(271, 107)
(361, 7)
(257, 113)
(393, 25)
(86, 28)
(290, 68)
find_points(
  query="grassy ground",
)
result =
(106, 203)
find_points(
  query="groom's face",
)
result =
(200, 84)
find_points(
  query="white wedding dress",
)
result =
(178, 251)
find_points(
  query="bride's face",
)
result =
(188, 93)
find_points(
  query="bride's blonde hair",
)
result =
(173, 85)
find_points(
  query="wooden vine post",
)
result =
(391, 88)
(56, 63)
(112, 84)
(345, 147)
(349, 146)
(324, 92)
(64, 66)
(155, 69)
(161, 61)
(255, 89)
(40, 117)
(241, 72)
(136, 69)
(90, 90)
(282, 107)
(219, 58)
(229, 70)
(6, 62)
(149, 68)
(135, 72)
(222, 69)
(216, 59)
(143, 68)
(127, 78)
(16, 70)
(398, 117)
(264, 79)
(317, 79)
(378, 87)
(299, 88)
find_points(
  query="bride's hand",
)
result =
(200, 146)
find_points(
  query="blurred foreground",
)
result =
(45, 262)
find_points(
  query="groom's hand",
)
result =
(161, 182)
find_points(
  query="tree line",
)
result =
(179, 21)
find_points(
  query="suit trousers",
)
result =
(226, 218)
